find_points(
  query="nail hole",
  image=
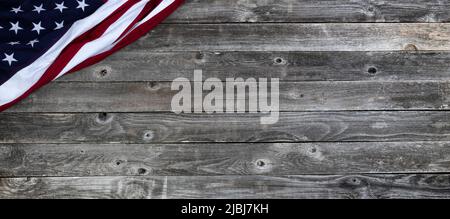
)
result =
(372, 70)
(103, 73)
(279, 61)
(154, 86)
(119, 162)
(355, 181)
(102, 117)
(313, 150)
(142, 171)
(199, 56)
(149, 135)
(260, 163)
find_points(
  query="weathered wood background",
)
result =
(365, 95)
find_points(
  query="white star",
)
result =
(38, 9)
(15, 27)
(17, 10)
(60, 7)
(32, 42)
(14, 43)
(82, 4)
(38, 28)
(9, 58)
(59, 25)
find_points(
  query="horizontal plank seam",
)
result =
(175, 144)
(292, 82)
(300, 22)
(206, 143)
(147, 52)
(230, 175)
(284, 81)
(295, 22)
(219, 114)
(281, 111)
(305, 51)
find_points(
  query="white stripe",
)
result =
(23, 80)
(163, 5)
(110, 36)
(94, 47)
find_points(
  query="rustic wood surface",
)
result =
(381, 186)
(364, 95)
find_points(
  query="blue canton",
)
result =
(28, 28)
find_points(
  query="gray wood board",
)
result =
(294, 96)
(365, 97)
(144, 65)
(254, 11)
(348, 126)
(222, 159)
(234, 187)
(297, 37)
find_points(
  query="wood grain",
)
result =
(294, 96)
(297, 37)
(235, 11)
(170, 128)
(365, 97)
(234, 187)
(19, 160)
(142, 65)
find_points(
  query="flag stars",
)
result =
(32, 42)
(38, 27)
(9, 58)
(59, 25)
(82, 4)
(39, 9)
(61, 7)
(17, 10)
(15, 27)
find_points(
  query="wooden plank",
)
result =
(297, 37)
(231, 11)
(171, 128)
(20, 160)
(233, 187)
(294, 96)
(141, 65)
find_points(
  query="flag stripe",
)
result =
(24, 80)
(113, 26)
(111, 34)
(163, 11)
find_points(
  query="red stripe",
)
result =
(133, 36)
(147, 9)
(71, 50)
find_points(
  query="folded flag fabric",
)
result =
(42, 40)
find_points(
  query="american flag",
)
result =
(42, 40)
